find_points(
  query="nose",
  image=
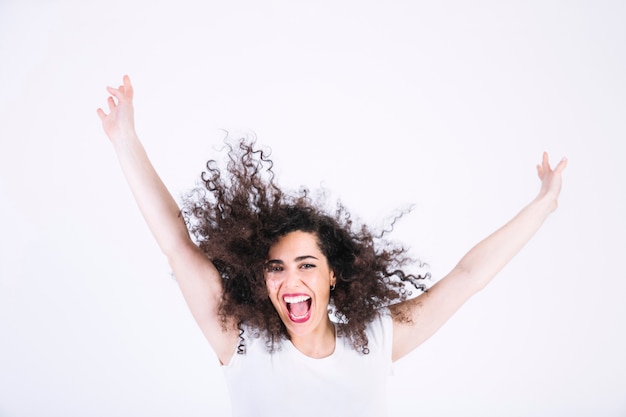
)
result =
(291, 278)
(287, 278)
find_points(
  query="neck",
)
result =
(316, 345)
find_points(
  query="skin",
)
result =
(200, 282)
(478, 267)
(297, 267)
(196, 275)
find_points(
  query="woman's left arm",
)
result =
(430, 310)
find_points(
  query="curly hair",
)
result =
(239, 212)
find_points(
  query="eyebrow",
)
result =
(297, 259)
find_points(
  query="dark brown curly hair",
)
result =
(239, 212)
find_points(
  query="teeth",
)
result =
(296, 299)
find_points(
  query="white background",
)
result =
(445, 105)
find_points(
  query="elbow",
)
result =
(471, 279)
(179, 248)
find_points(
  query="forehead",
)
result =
(295, 244)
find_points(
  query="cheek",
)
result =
(272, 285)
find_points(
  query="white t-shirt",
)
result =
(289, 383)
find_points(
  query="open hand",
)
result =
(551, 179)
(119, 122)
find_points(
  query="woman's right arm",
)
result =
(196, 275)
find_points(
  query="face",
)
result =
(298, 281)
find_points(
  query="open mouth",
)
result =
(299, 307)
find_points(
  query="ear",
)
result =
(333, 278)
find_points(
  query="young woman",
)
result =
(305, 311)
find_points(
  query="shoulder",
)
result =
(378, 334)
(380, 330)
(253, 343)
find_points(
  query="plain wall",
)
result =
(446, 106)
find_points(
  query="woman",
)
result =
(266, 267)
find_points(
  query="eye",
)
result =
(273, 268)
(307, 266)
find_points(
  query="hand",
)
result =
(551, 180)
(119, 123)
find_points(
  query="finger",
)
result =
(561, 165)
(540, 171)
(101, 114)
(111, 104)
(128, 87)
(545, 162)
(115, 92)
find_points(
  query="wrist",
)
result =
(545, 203)
(124, 140)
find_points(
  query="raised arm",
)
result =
(430, 310)
(198, 279)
